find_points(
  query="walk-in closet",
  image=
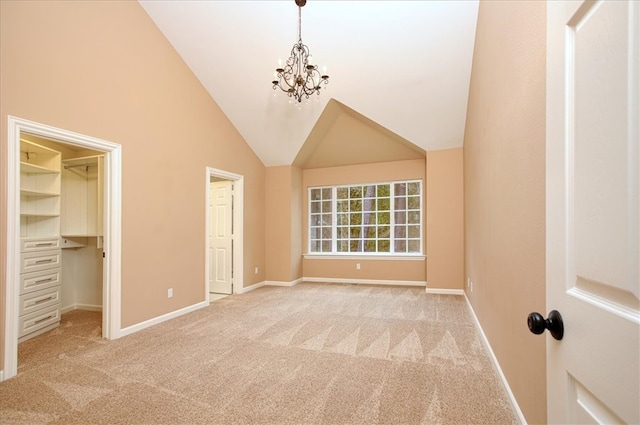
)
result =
(61, 233)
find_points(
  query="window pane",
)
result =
(343, 219)
(369, 204)
(401, 217)
(400, 246)
(369, 192)
(315, 246)
(400, 232)
(414, 231)
(326, 246)
(326, 193)
(326, 233)
(401, 203)
(343, 246)
(384, 218)
(414, 246)
(343, 193)
(315, 194)
(356, 218)
(369, 218)
(413, 188)
(355, 192)
(370, 232)
(315, 220)
(355, 232)
(326, 219)
(326, 206)
(354, 246)
(315, 207)
(414, 202)
(355, 205)
(400, 189)
(343, 232)
(383, 190)
(414, 217)
(314, 233)
(370, 245)
(383, 204)
(383, 232)
(384, 245)
(342, 206)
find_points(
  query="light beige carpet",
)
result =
(309, 354)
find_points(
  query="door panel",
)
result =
(593, 197)
(221, 237)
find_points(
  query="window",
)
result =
(375, 218)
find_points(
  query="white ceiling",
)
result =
(404, 64)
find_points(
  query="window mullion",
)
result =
(334, 220)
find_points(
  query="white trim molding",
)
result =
(494, 359)
(444, 291)
(364, 281)
(112, 229)
(250, 288)
(157, 320)
(282, 283)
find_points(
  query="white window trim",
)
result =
(372, 255)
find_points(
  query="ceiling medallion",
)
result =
(299, 79)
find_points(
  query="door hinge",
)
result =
(103, 254)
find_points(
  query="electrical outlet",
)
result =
(470, 285)
(357, 266)
(170, 293)
(256, 271)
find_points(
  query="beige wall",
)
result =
(103, 69)
(445, 219)
(396, 270)
(504, 183)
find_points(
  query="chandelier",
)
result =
(299, 78)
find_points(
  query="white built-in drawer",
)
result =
(38, 300)
(39, 260)
(37, 281)
(37, 320)
(39, 244)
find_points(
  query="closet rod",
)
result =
(79, 165)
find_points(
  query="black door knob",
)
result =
(537, 324)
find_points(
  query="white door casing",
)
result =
(112, 230)
(593, 204)
(238, 228)
(221, 237)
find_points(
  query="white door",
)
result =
(221, 237)
(593, 157)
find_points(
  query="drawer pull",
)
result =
(44, 319)
(44, 300)
(48, 260)
(49, 279)
(44, 244)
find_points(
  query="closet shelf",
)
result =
(38, 193)
(29, 168)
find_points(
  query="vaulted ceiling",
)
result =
(399, 71)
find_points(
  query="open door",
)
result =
(593, 254)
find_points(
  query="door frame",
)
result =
(238, 228)
(111, 292)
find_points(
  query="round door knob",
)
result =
(537, 324)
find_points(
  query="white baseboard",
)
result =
(87, 307)
(250, 288)
(364, 281)
(1, 375)
(143, 325)
(494, 359)
(282, 283)
(444, 291)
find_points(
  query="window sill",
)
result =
(370, 257)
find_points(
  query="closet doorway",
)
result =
(224, 260)
(34, 256)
